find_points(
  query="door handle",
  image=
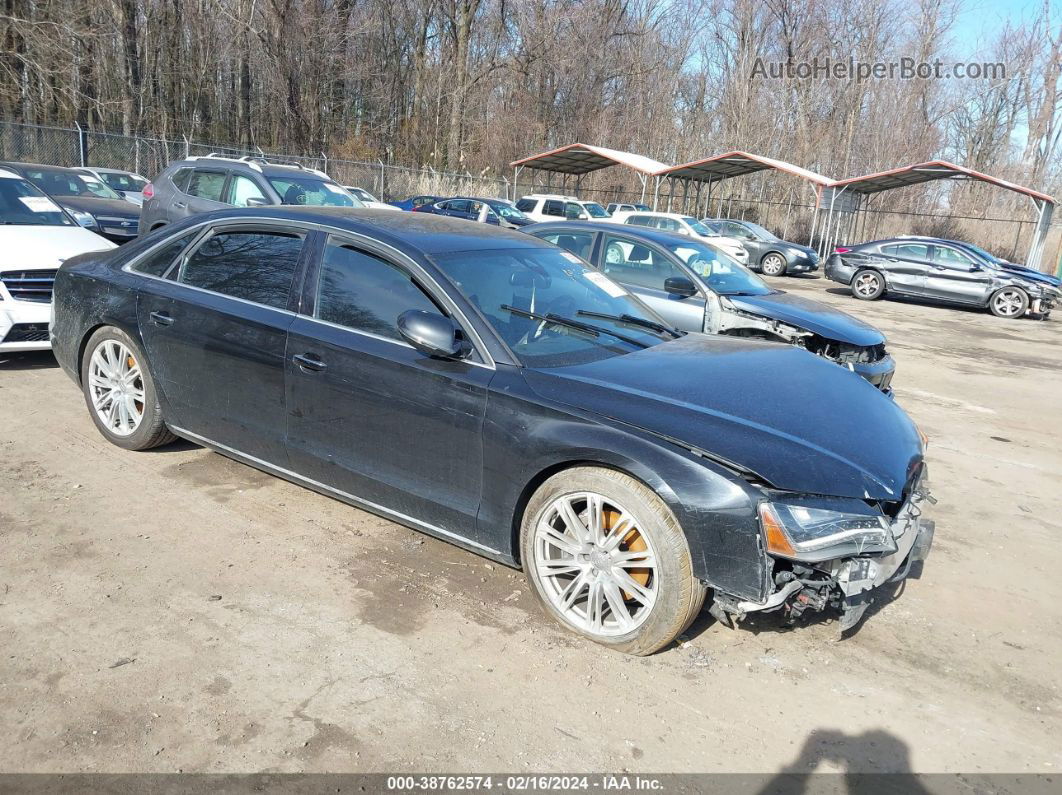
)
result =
(307, 361)
(161, 319)
(180, 205)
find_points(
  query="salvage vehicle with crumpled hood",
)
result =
(492, 390)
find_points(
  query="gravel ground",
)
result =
(175, 610)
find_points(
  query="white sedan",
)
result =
(685, 225)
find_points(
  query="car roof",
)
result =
(660, 214)
(15, 166)
(425, 233)
(644, 232)
(263, 167)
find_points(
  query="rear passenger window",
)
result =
(252, 265)
(909, 250)
(579, 243)
(207, 184)
(159, 261)
(553, 207)
(363, 292)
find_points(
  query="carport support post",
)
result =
(643, 178)
(656, 192)
(708, 200)
(1044, 211)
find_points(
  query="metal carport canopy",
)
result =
(736, 164)
(578, 159)
(941, 169)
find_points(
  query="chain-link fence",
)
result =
(146, 155)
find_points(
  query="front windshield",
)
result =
(595, 210)
(312, 191)
(508, 211)
(759, 231)
(642, 207)
(124, 182)
(22, 204)
(362, 194)
(544, 281)
(698, 227)
(67, 183)
(983, 254)
(721, 272)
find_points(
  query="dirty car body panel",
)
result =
(456, 446)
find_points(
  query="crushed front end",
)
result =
(828, 553)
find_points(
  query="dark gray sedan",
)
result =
(944, 271)
(696, 287)
(768, 253)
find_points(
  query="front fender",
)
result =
(716, 508)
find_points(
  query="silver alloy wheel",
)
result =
(773, 265)
(1008, 302)
(867, 284)
(116, 387)
(594, 564)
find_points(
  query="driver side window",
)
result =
(363, 292)
(629, 262)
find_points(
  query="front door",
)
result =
(953, 275)
(643, 268)
(215, 334)
(369, 415)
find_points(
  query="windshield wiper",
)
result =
(587, 328)
(632, 320)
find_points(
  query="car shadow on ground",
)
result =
(862, 758)
(27, 360)
(929, 303)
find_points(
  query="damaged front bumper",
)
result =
(847, 584)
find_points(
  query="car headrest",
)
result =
(638, 254)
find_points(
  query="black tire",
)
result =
(868, 285)
(679, 595)
(1009, 302)
(152, 430)
(773, 264)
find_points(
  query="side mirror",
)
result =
(257, 201)
(431, 334)
(680, 285)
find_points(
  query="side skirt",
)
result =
(350, 499)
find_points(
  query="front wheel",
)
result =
(868, 285)
(608, 560)
(120, 393)
(773, 265)
(1009, 302)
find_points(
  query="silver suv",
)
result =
(212, 182)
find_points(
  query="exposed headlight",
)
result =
(82, 217)
(813, 534)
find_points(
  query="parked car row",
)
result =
(495, 389)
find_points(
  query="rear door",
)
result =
(215, 332)
(369, 415)
(643, 268)
(206, 192)
(905, 265)
(954, 275)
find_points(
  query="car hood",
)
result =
(42, 247)
(814, 316)
(1031, 275)
(800, 422)
(96, 205)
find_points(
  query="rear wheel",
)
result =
(1009, 302)
(773, 265)
(120, 393)
(868, 285)
(608, 560)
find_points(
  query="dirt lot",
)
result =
(175, 610)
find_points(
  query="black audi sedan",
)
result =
(697, 287)
(490, 389)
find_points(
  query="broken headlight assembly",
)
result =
(810, 534)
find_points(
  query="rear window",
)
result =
(159, 261)
(526, 205)
(252, 265)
